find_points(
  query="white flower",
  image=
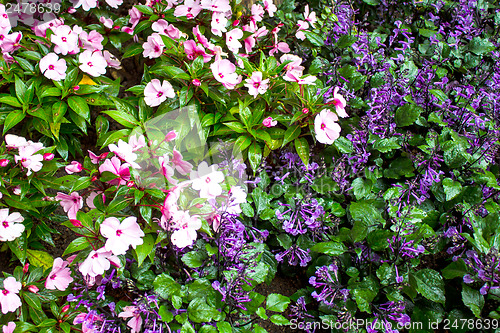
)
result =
(10, 225)
(206, 180)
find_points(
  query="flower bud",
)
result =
(33, 289)
(75, 88)
(236, 22)
(4, 162)
(76, 223)
(71, 10)
(199, 206)
(94, 178)
(65, 308)
(74, 167)
(130, 183)
(170, 136)
(305, 110)
(196, 82)
(48, 156)
(25, 268)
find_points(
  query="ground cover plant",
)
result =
(194, 153)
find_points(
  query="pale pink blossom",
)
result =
(10, 43)
(224, 71)
(257, 13)
(60, 276)
(9, 328)
(96, 159)
(9, 299)
(111, 60)
(221, 6)
(121, 235)
(193, 51)
(65, 39)
(86, 4)
(256, 85)
(126, 152)
(153, 48)
(92, 62)
(206, 180)
(190, 9)
(180, 165)
(326, 128)
(136, 322)
(52, 67)
(309, 17)
(170, 136)
(269, 122)
(186, 226)
(73, 167)
(114, 166)
(91, 41)
(170, 206)
(41, 29)
(232, 40)
(14, 141)
(218, 23)
(114, 3)
(88, 320)
(135, 16)
(278, 46)
(201, 39)
(17, 190)
(107, 22)
(270, 7)
(70, 203)
(29, 159)
(90, 199)
(294, 64)
(137, 142)
(340, 103)
(237, 196)
(164, 28)
(171, 3)
(98, 262)
(156, 93)
(294, 77)
(166, 170)
(11, 226)
(302, 26)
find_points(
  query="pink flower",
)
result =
(126, 152)
(311, 18)
(92, 63)
(269, 122)
(135, 16)
(180, 165)
(9, 328)
(225, 72)
(190, 9)
(326, 128)
(270, 7)
(115, 167)
(193, 51)
(166, 170)
(98, 262)
(237, 196)
(48, 156)
(86, 4)
(14, 141)
(111, 60)
(153, 48)
(29, 159)
(10, 43)
(52, 67)
(114, 3)
(156, 93)
(232, 40)
(73, 167)
(218, 23)
(60, 276)
(96, 159)
(221, 6)
(11, 225)
(340, 103)
(278, 46)
(92, 41)
(9, 299)
(136, 322)
(121, 235)
(170, 136)
(186, 226)
(107, 22)
(257, 12)
(90, 199)
(256, 85)
(41, 29)
(70, 203)
(201, 39)
(303, 25)
(206, 180)
(4, 162)
(66, 40)
(164, 28)
(137, 143)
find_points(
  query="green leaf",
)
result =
(10, 100)
(199, 311)
(20, 90)
(58, 111)
(277, 302)
(451, 188)
(365, 212)
(171, 72)
(32, 300)
(331, 248)
(145, 9)
(480, 46)
(386, 145)
(80, 106)
(122, 118)
(166, 287)
(40, 258)
(407, 114)
(473, 300)
(13, 119)
(143, 250)
(291, 134)
(344, 145)
(77, 244)
(236, 126)
(455, 269)
(255, 155)
(133, 50)
(361, 187)
(279, 320)
(302, 148)
(118, 204)
(241, 144)
(194, 259)
(314, 38)
(430, 284)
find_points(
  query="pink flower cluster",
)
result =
(27, 155)
(325, 126)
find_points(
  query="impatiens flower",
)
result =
(91, 41)
(114, 3)
(121, 235)
(126, 152)
(65, 39)
(270, 7)
(156, 93)
(70, 203)
(111, 60)
(164, 28)
(117, 168)
(92, 62)
(193, 51)
(60, 276)
(135, 16)
(98, 262)
(186, 226)
(153, 48)
(137, 142)
(52, 67)
(107, 22)
(10, 43)
(14, 141)
(190, 9)
(29, 159)
(86, 4)
(136, 322)
(9, 328)
(303, 25)
(166, 170)
(232, 40)
(218, 23)
(11, 225)
(224, 71)
(237, 196)
(91, 197)
(340, 103)
(269, 122)
(180, 165)
(257, 13)
(326, 128)
(9, 299)
(256, 85)
(73, 167)
(206, 180)
(170, 136)
(221, 6)
(311, 18)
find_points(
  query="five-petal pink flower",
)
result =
(70, 203)
(11, 226)
(326, 128)
(121, 235)
(52, 67)
(156, 93)
(9, 298)
(60, 276)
